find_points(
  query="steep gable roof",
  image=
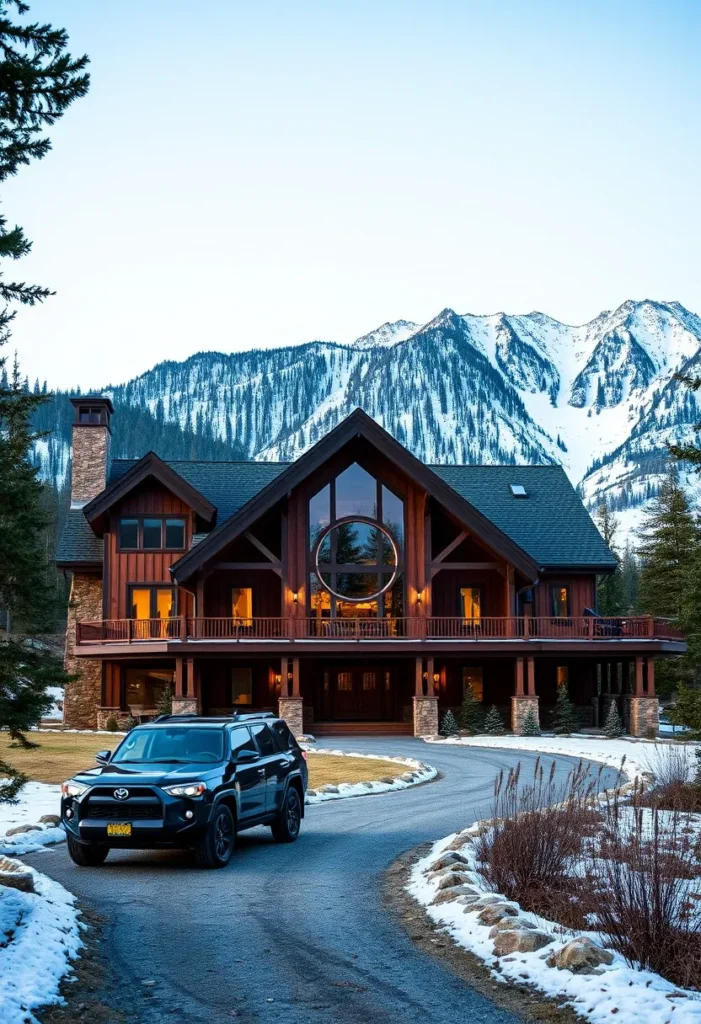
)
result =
(357, 424)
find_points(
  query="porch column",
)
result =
(430, 685)
(291, 705)
(523, 703)
(425, 706)
(644, 706)
(185, 701)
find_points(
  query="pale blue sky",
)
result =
(261, 173)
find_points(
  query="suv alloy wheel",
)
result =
(285, 828)
(216, 846)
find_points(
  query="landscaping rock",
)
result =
(447, 860)
(488, 900)
(458, 892)
(328, 788)
(49, 819)
(581, 956)
(459, 842)
(21, 829)
(497, 912)
(15, 876)
(389, 779)
(510, 924)
(454, 878)
(520, 940)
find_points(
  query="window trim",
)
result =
(153, 587)
(140, 533)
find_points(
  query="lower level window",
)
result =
(472, 677)
(144, 687)
(471, 603)
(242, 686)
(563, 675)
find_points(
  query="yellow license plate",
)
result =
(119, 830)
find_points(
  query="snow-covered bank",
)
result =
(416, 773)
(36, 799)
(39, 936)
(617, 991)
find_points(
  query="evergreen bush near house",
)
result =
(449, 726)
(164, 704)
(493, 723)
(530, 724)
(130, 723)
(565, 715)
(612, 726)
(471, 712)
(686, 710)
(111, 725)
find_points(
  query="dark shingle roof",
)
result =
(551, 524)
(77, 542)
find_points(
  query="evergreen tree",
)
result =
(449, 727)
(609, 590)
(164, 704)
(670, 539)
(565, 715)
(493, 723)
(630, 572)
(686, 709)
(471, 712)
(531, 726)
(612, 725)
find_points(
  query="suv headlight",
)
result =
(186, 789)
(71, 788)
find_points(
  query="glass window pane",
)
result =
(356, 493)
(471, 601)
(560, 601)
(264, 738)
(394, 598)
(563, 675)
(472, 678)
(240, 739)
(144, 687)
(175, 534)
(128, 533)
(165, 603)
(242, 605)
(369, 681)
(242, 686)
(356, 609)
(356, 543)
(320, 599)
(325, 550)
(345, 681)
(393, 514)
(319, 513)
(151, 533)
(141, 603)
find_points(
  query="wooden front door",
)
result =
(362, 693)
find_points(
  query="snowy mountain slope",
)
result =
(600, 398)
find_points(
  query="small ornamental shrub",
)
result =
(471, 712)
(565, 716)
(493, 723)
(111, 725)
(130, 723)
(612, 725)
(531, 726)
(449, 726)
(164, 704)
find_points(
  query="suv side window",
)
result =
(264, 738)
(240, 739)
(283, 737)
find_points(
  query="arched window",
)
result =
(356, 548)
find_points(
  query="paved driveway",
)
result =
(293, 933)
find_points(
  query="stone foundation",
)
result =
(520, 706)
(425, 716)
(185, 706)
(643, 717)
(103, 715)
(83, 694)
(292, 710)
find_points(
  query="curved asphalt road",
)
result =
(295, 933)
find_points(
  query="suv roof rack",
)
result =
(167, 718)
(252, 714)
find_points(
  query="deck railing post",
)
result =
(129, 630)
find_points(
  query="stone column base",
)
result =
(185, 706)
(292, 710)
(104, 714)
(520, 706)
(425, 716)
(644, 717)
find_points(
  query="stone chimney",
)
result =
(92, 442)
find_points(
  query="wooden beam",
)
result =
(430, 686)
(639, 677)
(284, 669)
(436, 568)
(650, 677)
(275, 567)
(463, 535)
(261, 547)
(179, 676)
(519, 677)
(189, 684)
(295, 678)
(530, 675)
(419, 677)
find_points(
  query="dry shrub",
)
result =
(673, 767)
(647, 871)
(539, 828)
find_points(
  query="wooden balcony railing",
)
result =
(486, 628)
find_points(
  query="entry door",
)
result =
(359, 693)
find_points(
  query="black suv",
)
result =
(186, 781)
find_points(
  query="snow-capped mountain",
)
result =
(599, 398)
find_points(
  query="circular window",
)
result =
(356, 559)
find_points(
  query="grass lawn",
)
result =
(61, 755)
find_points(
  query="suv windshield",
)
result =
(180, 743)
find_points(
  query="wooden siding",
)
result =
(582, 593)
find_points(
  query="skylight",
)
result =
(518, 490)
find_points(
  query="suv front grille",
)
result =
(142, 803)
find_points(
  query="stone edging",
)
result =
(418, 773)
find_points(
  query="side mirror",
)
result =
(103, 756)
(247, 756)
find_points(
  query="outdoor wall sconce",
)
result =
(278, 679)
(295, 597)
(418, 597)
(436, 678)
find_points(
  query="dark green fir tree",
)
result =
(670, 538)
(565, 715)
(630, 572)
(493, 723)
(612, 726)
(471, 712)
(609, 590)
(531, 726)
(449, 725)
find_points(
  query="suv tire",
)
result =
(285, 828)
(216, 846)
(87, 856)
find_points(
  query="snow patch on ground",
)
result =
(619, 993)
(35, 799)
(39, 937)
(416, 773)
